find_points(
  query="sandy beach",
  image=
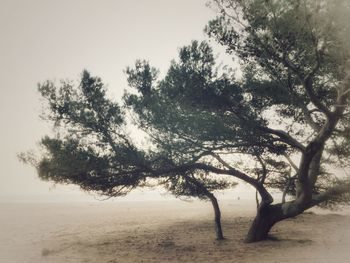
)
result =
(162, 231)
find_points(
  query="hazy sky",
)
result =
(47, 39)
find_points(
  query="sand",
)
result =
(162, 231)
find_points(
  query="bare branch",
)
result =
(265, 195)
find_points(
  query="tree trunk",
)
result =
(214, 202)
(260, 226)
(267, 216)
(217, 218)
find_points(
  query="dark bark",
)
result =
(217, 217)
(260, 226)
(267, 216)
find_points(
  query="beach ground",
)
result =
(163, 231)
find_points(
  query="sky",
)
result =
(46, 39)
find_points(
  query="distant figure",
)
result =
(238, 198)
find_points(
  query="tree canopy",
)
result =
(284, 124)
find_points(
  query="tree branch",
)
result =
(308, 85)
(295, 167)
(284, 137)
(335, 191)
(265, 195)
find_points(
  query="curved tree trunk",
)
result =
(260, 226)
(217, 217)
(215, 204)
(267, 216)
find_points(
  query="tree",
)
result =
(93, 149)
(297, 72)
(203, 126)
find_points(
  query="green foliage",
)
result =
(195, 110)
(72, 162)
(85, 106)
(91, 148)
(280, 43)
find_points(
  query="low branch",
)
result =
(331, 193)
(224, 163)
(284, 137)
(265, 195)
